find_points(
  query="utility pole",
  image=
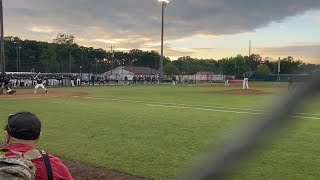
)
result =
(81, 68)
(96, 67)
(19, 58)
(162, 27)
(17, 63)
(112, 56)
(89, 62)
(70, 61)
(2, 57)
(279, 68)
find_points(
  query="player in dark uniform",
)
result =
(7, 86)
(174, 80)
(226, 81)
(40, 83)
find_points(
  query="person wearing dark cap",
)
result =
(22, 132)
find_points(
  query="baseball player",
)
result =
(39, 83)
(174, 79)
(245, 81)
(226, 81)
(6, 85)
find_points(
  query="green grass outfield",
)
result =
(157, 131)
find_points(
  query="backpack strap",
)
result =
(32, 155)
(47, 163)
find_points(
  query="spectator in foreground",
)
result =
(22, 132)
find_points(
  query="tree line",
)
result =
(64, 55)
(239, 65)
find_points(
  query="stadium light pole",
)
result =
(81, 66)
(18, 54)
(2, 58)
(163, 5)
(70, 57)
(17, 62)
(112, 56)
(279, 68)
(80, 75)
(96, 66)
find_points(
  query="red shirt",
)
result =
(59, 170)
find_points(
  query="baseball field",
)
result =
(156, 132)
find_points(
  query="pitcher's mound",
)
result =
(39, 95)
(243, 91)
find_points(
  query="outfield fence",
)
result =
(281, 77)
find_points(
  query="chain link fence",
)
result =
(220, 163)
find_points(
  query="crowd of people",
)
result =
(48, 80)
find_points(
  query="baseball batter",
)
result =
(39, 82)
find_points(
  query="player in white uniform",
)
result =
(39, 82)
(245, 81)
(226, 81)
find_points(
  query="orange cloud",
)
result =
(42, 29)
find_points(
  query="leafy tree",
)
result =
(64, 39)
(263, 69)
(48, 58)
(55, 57)
(290, 66)
(170, 69)
(253, 61)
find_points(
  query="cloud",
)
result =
(41, 29)
(105, 41)
(101, 22)
(142, 17)
(204, 49)
(305, 52)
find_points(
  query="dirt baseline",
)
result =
(40, 95)
(243, 91)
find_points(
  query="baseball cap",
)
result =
(23, 125)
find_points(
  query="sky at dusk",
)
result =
(198, 28)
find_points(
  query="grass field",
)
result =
(157, 131)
